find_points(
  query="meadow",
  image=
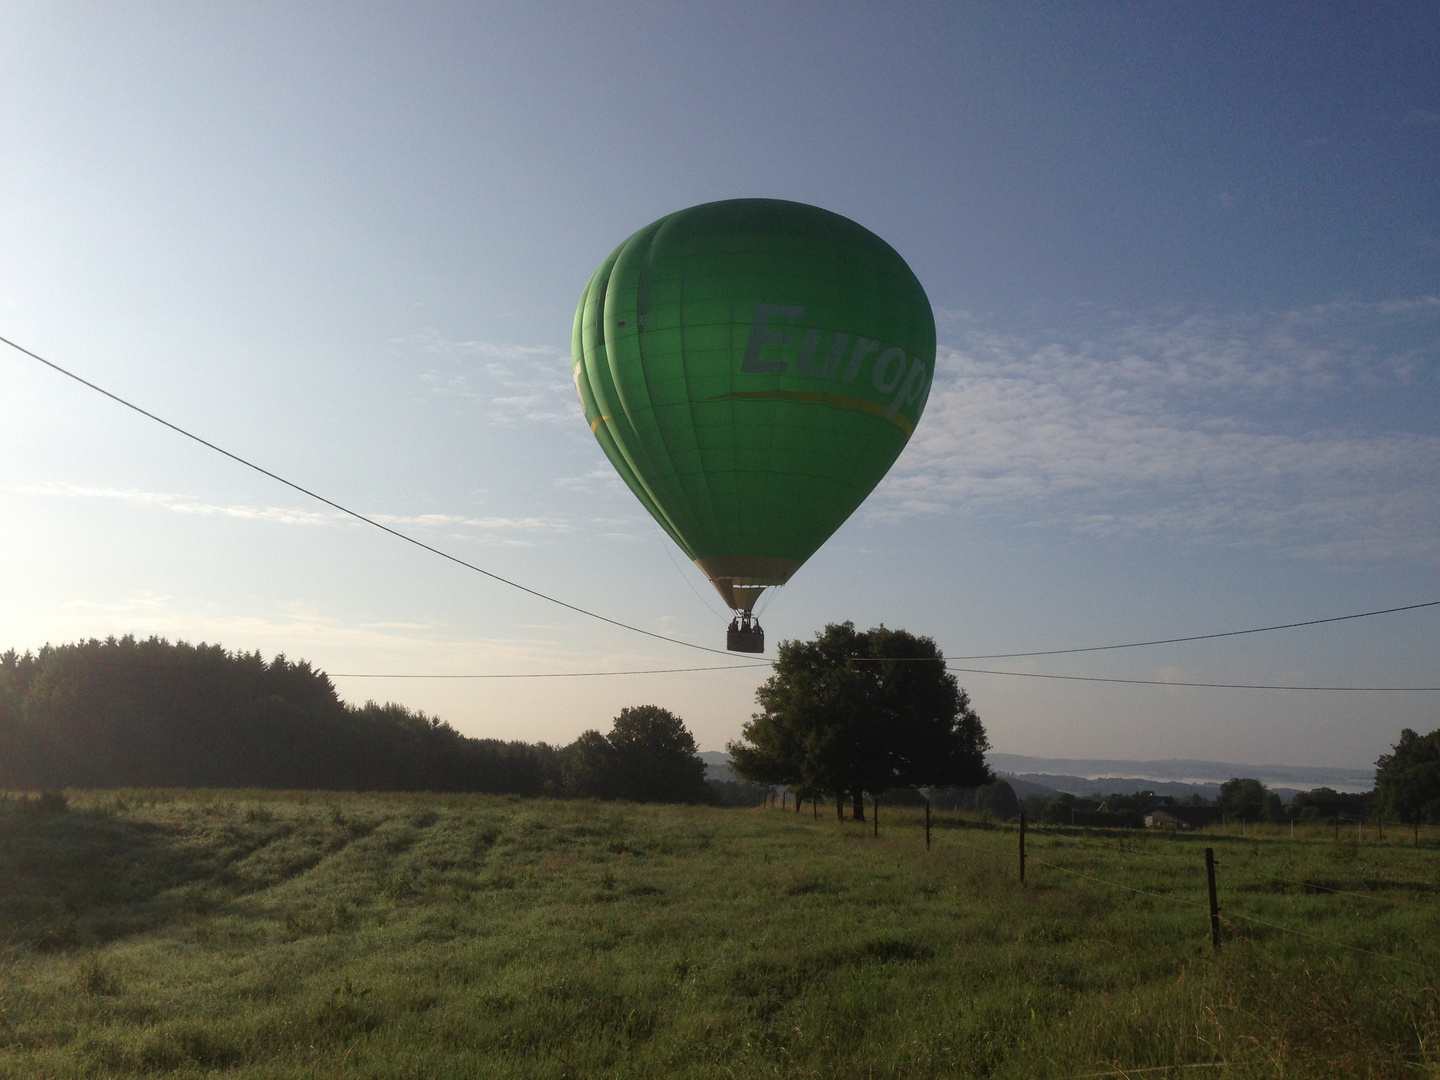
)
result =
(264, 934)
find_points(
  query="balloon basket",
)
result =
(745, 634)
(745, 640)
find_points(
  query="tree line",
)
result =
(1407, 790)
(845, 716)
(148, 713)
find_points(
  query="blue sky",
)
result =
(1183, 260)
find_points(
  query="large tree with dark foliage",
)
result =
(128, 713)
(851, 712)
(649, 756)
(1248, 799)
(1407, 780)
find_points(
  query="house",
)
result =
(1183, 817)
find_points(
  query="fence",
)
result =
(1203, 862)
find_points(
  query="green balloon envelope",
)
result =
(752, 368)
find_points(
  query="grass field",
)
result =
(282, 934)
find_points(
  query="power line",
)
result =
(354, 513)
(971, 671)
(1199, 637)
(548, 674)
(1212, 685)
(722, 652)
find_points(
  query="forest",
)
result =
(148, 713)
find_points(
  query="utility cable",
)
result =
(548, 674)
(1212, 685)
(1199, 637)
(355, 513)
(722, 652)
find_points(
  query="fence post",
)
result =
(1022, 847)
(875, 816)
(1214, 904)
(927, 824)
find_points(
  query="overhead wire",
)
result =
(355, 513)
(723, 652)
(1177, 682)
(1198, 637)
(545, 674)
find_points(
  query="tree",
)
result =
(1407, 780)
(1249, 800)
(998, 800)
(649, 756)
(851, 713)
(130, 713)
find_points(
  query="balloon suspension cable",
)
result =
(765, 601)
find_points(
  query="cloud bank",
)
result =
(1283, 429)
(281, 515)
(512, 384)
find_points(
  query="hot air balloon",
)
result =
(752, 368)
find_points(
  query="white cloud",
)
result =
(340, 645)
(513, 383)
(184, 504)
(1267, 429)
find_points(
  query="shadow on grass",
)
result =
(74, 877)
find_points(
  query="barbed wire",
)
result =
(1256, 920)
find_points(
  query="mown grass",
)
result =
(280, 934)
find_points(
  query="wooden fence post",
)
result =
(927, 824)
(875, 815)
(1214, 903)
(1022, 847)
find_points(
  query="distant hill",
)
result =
(1052, 784)
(1190, 773)
(1176, 777)
(717, 766)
